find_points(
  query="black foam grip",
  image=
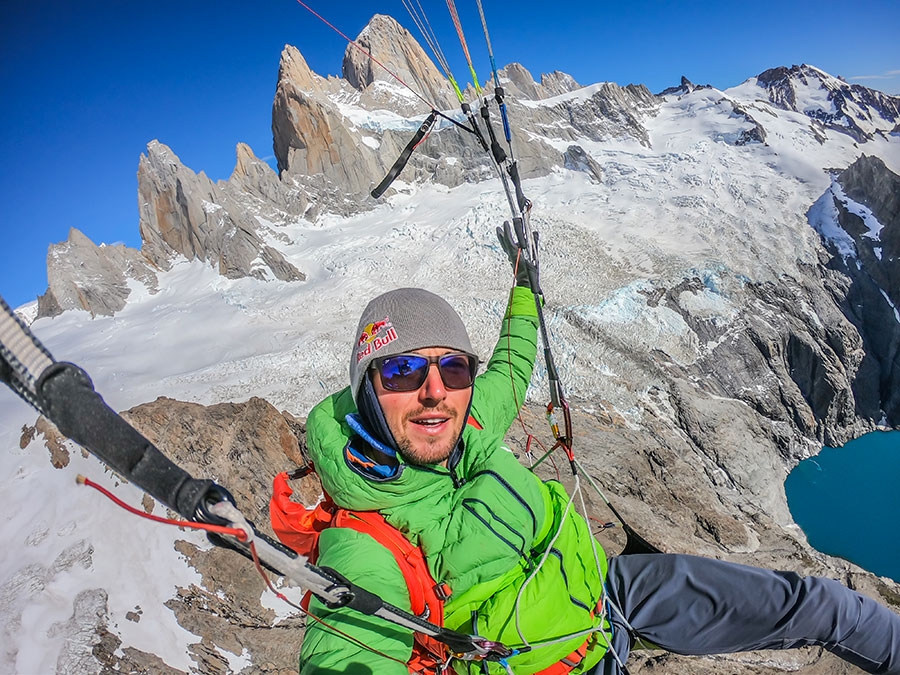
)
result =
(80, 413)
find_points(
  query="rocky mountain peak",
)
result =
(256, 181)
(782, 74)
(521, 79)
(186, 213)
(311, 137)
(852, 109)
(92, 278)
(519, 83)
(330, 152)
(247, 162)
(781, 83)
(293, 67)
(686, 87)
(558, 82)
(395, 47)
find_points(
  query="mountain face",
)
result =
(394, 46)
(92, 278)
(185, 213)
(861, 112)
(864, 203)
(721, 275)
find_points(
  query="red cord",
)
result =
(240, 535)
(462, 38)
(424, 138)
(530, 437)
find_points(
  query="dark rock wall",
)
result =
(869, 294)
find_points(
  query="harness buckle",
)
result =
(443, 591)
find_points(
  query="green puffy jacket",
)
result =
(483, 525)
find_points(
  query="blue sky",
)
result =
(87, 85)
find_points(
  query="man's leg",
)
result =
(692, 605)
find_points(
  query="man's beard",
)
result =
(419, 459)
(432, 453)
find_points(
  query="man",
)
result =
(418, 438)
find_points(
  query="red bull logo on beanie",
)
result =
(370, 331)
(374, 336)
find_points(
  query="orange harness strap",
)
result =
(299, 527)
(565, 665)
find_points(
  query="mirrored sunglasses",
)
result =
(407, 372)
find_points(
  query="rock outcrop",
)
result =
(578, 160)
(82, 275)
(183, 213)
(685, 87)
(869, 182)
(242, 446)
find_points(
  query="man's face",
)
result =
(426, 422)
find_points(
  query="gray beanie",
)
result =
(400, 321)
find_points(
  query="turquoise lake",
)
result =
(847, 501)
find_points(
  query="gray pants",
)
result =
(691, 605)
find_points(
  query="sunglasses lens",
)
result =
(457, 371)
(405, 372)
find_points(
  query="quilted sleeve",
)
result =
(338, 647)
(500, 390)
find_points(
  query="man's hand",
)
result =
(515, 246)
